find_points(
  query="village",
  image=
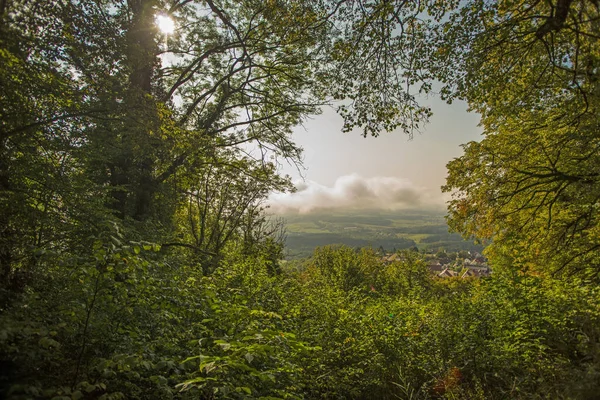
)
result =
(463, 264)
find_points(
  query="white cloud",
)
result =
(353, 192)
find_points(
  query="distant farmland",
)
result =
(388, 229)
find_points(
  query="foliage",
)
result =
(136, 258)
(124, 324)
(419, 337)
(531, 70)
(535, 183)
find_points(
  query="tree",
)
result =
(107, 117)
(225, 206)
(531, 185)
(41, 192)
(115, 139)
(534, 190)
(233, 74)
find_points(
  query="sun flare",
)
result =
(165, 24)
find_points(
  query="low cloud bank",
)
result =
(353, 192)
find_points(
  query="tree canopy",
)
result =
(531, 69)
(104, 117)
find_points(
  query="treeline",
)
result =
(305, 243)
(357, 219)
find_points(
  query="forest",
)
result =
(139, 140)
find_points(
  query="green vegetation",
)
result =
(532, 184)
(390, 230)
(349, 326)
(136, 258)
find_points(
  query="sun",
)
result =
(165, 24)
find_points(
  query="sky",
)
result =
(392, 171)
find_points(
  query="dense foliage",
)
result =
(136, 257)
(532, 70)
(347, 326)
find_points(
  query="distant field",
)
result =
(388, 229)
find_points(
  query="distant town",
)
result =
(462, 264)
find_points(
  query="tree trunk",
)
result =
(137, 164)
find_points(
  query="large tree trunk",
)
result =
(136, 167)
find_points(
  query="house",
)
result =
(479, 269)
(448, 273)
(436, 268)
(476, 272)
(391, 258)
(467, 274)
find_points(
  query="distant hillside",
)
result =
(388, 229)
